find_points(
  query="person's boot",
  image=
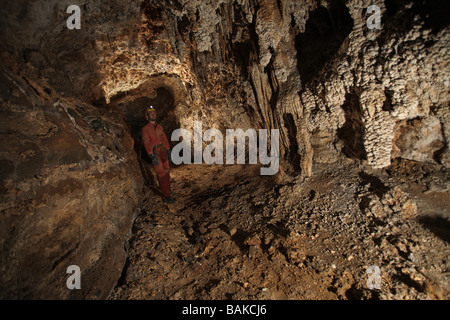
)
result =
(169, 199)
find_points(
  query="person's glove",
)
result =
(169, 155)
(154, 160)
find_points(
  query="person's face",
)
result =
(151, 116)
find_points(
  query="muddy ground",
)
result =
(233, 234)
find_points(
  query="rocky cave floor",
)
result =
(233, 234)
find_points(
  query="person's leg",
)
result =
(164, 184)
(167, 168)
(163, 177)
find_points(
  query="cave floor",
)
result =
(233, 234)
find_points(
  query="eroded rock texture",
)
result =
(294, 65)
(69, 191)
(73, 102)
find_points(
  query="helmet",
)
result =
(150, 108)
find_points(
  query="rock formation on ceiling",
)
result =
(72, 104)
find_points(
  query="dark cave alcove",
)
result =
(292, 152)
(326, 30)
(352, 132)
(434, 13)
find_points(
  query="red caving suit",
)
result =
(155, 142)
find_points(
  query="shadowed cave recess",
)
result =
(363, 179)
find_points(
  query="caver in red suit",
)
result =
(158, 149)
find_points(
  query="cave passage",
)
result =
(360, 117)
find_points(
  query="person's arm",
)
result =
(165, 141)
(146, 138)
(167, 146)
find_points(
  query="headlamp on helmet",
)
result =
(151, 108)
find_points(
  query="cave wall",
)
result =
(70, 189)
(35, 35)
(394, 74)
(71, 185)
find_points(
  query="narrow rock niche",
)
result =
(133, 108)
(326, 30)
(352, 132)
(293, 154)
